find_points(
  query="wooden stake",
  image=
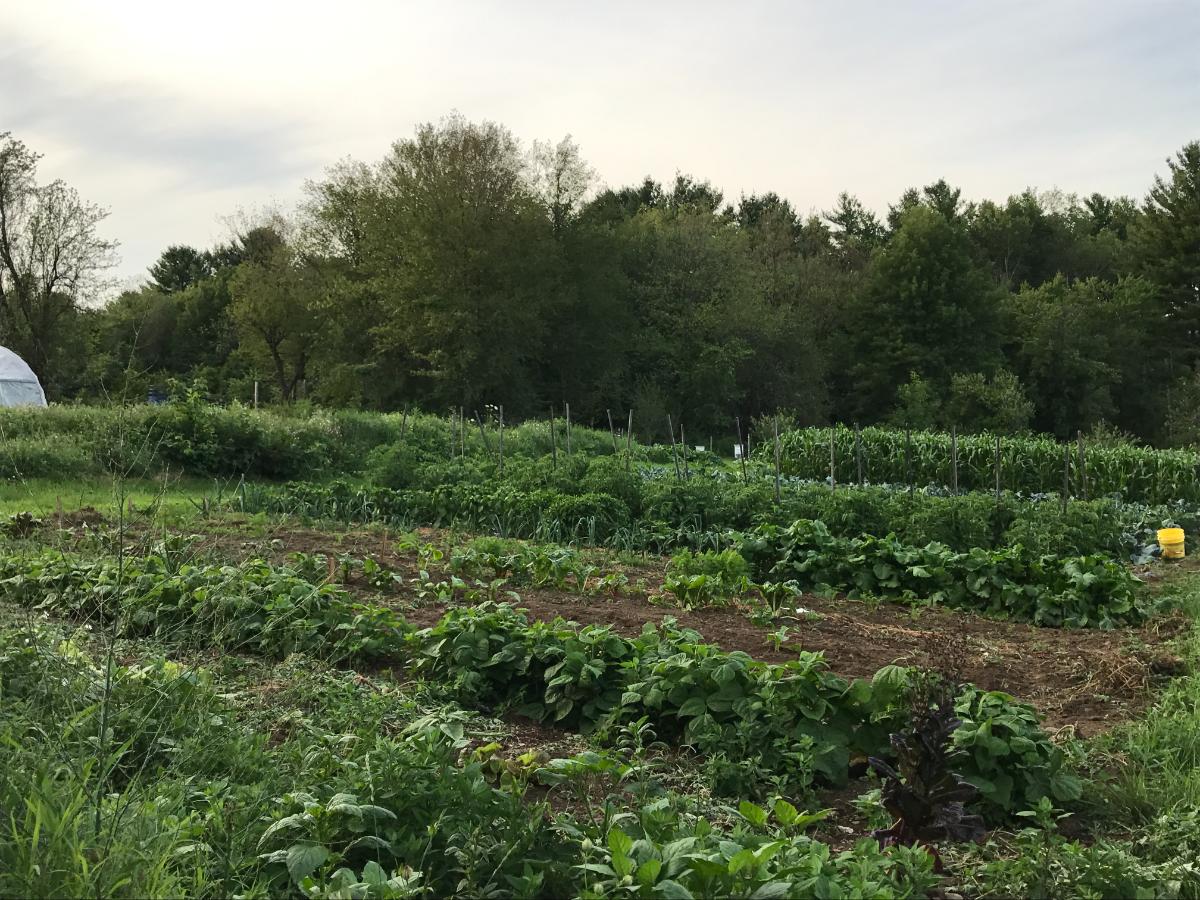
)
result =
(453, 433)
(997, 468)
(908, 457)
(462, 433)
(741, 448)
(553, 439)
(683, 451)
(612, 431)
(1066, 488)
(953, 459)
(404, 423)
(567, 406)
(858, 453)
(1083, 492)
(256, 394)
(674, 454)
(777, 459)
(832, 458)
(501, 411)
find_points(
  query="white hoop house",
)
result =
(18, 385)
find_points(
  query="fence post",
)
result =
(776, 458)
(567, 407)
(612, 431)
(553, 440)
(462, 433)
(500, 409)
(256, 393)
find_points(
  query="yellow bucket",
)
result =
(1171, 542)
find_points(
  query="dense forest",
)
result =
(465, 269)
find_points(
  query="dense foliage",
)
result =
(1037, 311)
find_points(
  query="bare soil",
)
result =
(1081, 679)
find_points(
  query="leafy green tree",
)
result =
(976, 402)
(179, 267)
(1086, 352)
(1167, 239)
(927, 308)
(275, 309)
(51, 255)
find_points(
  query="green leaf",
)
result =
(752, 813)
(304, 859)
(672, 890)
(695, 706)
(647, 872)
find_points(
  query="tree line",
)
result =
(465, 269)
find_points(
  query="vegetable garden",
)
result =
(356, 656)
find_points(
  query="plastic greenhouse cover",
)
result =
(21, 393)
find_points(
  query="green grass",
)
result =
(43, 496)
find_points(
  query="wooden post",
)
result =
(256, 393)
(997, 468)
(404, 423)
(629, 442)
(553, 439)
(858, 462)
(674, 454)
(453, 433)
(1083, 492)
(500, 409)
(908, 457)
(954, 459)
(462, 433)
(1066, 488)
(776, 459)
(612, 431)
(832, 458)
(741, 448)
(567, 407)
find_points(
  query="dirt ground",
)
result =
(1085, 680)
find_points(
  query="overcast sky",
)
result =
(174, 115)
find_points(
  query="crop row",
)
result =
(796, 720)
(1075, 592)
(1028, 464)
(606, 507)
